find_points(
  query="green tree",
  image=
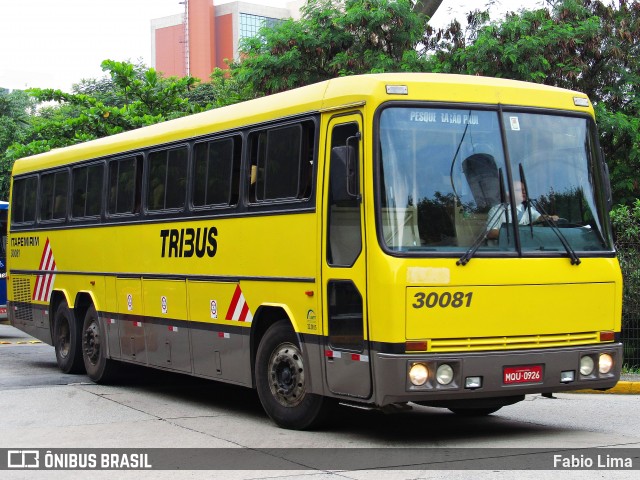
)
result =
(131, 97)
(333, 38)
(584, 45)
(626, 221)
(15, 110)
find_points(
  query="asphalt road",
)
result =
(44, 409)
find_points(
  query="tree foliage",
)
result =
(333, 38)
(16, 108)
(584, 45)
(132, 96)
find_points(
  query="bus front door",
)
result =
(344, 266)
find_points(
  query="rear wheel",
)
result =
(99, 368)
(66, 340)
(282, 381)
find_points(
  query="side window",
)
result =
(87, 191)
(54, 188)
(23, 206)
(216, 170)
(167, 178)
(282, 162)
(125, 185)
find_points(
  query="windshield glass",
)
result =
(444, 185)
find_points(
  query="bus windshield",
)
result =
(445, 186)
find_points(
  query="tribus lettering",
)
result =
(186, 242)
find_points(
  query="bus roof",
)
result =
(327, 95)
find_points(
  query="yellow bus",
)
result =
(371, 240)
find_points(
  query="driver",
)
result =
(526, 214)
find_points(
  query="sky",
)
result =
(56, 43)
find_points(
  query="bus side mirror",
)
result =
(344, 175)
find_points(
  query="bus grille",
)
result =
(22, 298)
(512, 343)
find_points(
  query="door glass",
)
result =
(344, 235)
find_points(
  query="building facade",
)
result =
(205, 35)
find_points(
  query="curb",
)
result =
(622, 387)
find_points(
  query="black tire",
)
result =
(99, 368)
(66, 340)
(281, 381)
(475, 412)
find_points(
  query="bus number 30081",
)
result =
(442, 300)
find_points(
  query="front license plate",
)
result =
(524, 374)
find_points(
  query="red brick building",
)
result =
(204, 35)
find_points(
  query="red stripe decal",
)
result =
(234, 303)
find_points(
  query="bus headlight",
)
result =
(444, 374)
(418, 374)
(605, 363)
(586, 365)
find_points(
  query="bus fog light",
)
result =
(605, 363)
(586, 365)
(473, 382)
(568, 376)
(444, 374)
(418, 374)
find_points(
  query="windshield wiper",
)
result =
(575, 260)
(464, 259)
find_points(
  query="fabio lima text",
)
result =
(598, 461)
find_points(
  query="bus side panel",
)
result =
(110, 320)
(220, 346)
(167, 338)
(131, 310)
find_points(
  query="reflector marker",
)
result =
(359, 358)
(356, 357)
(171, 328)
(223, 335)
(44, 283)
(137, 324)
(239, 309)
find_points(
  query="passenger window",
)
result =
(23, 208)
(125, 182)
(167, 179)
(87, 191)
(216, 170)
(53, 195)
(282, 163)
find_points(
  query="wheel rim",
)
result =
(286, 375)
(64, 337)
(92, 342)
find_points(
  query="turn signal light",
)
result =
(418, 346)
(607, 336)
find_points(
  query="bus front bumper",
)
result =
(484, 375)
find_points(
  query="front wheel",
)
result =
(99, 368)
(282, 381)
